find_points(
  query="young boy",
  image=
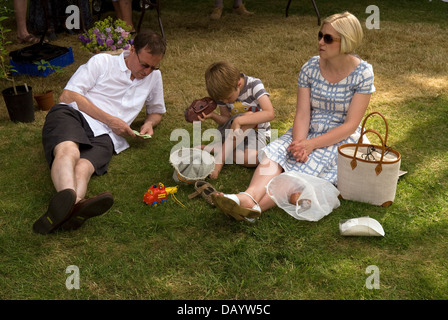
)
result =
(245, 109)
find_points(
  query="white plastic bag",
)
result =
(317, 199)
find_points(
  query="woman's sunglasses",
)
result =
(328, 38)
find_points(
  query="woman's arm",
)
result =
(356, 111)
(301, 124)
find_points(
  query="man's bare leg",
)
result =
(83, 172)
(69, 171)
(66, 155)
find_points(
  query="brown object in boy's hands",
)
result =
(205, 105)
(294, 197)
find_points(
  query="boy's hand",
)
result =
(205, 116)
(235, 124)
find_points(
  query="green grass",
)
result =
(139, 252)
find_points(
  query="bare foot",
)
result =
(214, 174)
(216, 171)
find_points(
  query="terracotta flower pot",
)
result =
(45, 100)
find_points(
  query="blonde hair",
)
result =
(221, 79)
(348, 27)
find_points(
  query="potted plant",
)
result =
(108, 35)
(18, 99)
(45, 100)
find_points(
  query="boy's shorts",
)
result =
(254, 140)
(63, 123)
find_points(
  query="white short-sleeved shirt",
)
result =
(105, 81)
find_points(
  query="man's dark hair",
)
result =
(150, 41)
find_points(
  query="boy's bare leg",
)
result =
(225, 152)
(220, 157)
(247, 158)
(211, 148)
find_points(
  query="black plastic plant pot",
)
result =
(20, 106)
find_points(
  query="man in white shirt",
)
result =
(97, 107)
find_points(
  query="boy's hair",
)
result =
(348, 27)
(221, 79)
(150, 41)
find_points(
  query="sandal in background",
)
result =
(29, 39)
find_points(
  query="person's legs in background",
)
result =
(238, 8)
(20, 11)
(123, 9)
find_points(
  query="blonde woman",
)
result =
(334, 90)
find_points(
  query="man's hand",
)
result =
(147, 128)
(151, 121)
(120, 127)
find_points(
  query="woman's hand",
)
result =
(301, 149)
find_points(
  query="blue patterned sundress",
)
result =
(329, 106)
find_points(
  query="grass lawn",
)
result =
(168, 252)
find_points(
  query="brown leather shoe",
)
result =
(59, 210)
(88, 208)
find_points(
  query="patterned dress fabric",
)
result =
(329, 106)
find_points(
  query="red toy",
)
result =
(157, 194)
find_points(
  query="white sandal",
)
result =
(230, 205)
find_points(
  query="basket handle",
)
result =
(364, 124)
(379, 167)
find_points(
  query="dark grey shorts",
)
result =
(63, 123)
